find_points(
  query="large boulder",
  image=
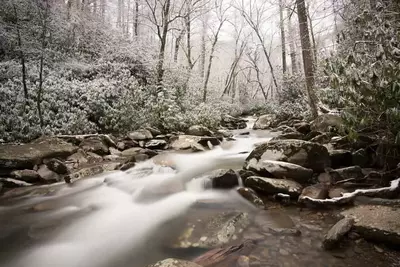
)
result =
(199, 130)
(251, 196)
(28, 155)
(279, 169)
(142, 134)
(134, 151)
(183, 142)
(48, 175)
(324, 122)
(377, 223)
(292, 135)
(306, 154)
(271, 186)
(352, 172)
(223, 178)
(57, 166)
(95, 145)
(265, 122)
(156, 144)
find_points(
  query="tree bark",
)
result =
(307, 56)
(283, 43)
(103, 10)
(210, 59)
(136, 19)
(203, 45)
(163, 40)
(177, 44)
(312, 36)
(21, 55)
(119, 13)
(292, 44)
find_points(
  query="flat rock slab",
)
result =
(280, 169)
(272, 186)
(28, 155)
(376, 222)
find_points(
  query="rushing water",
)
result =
(126, 219)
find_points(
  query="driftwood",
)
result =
(233, 256)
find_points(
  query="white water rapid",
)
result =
(118, 219)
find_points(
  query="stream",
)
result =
(134, 218)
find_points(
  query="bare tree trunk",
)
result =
(177, 44)
(307, 56)
(21, 55)
(210, 59)
(312, 36)
(203, 45)
(128, 8)
(283, 43)
(119, 15)
(292, 44)
(136, 23)
(103, 10)
(163, 40)
(41, 63)
(123, 16)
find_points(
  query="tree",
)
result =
(254, 16)
(283, 42)
(308, 61)
(221, 16)
(292, 43)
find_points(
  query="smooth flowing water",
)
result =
(130, 219)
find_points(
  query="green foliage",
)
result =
(365, 75)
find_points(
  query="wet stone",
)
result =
(337, 232)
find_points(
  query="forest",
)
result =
(108, 66)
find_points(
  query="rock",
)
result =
(361, 200)
(94, 170)
(251, 196)
(244, 133)
(49, 175)
(138, 150)
(111, 157)
(29, 176)
(94, 158)
(286, 129)
(292, 135)
(326, 178)
(337, 232)
(337, 192)
(28, 155)
(244, 174)
(311, 135)
(340, 158)
(232, 256)
(199, 130)
(223, 178)
(57, 166)
(317, 191)
(186, 141)
(276, 222)
(306, 154)
(265, 122)
(142, 134)
(233, 123)
(302, 127)
(360, 158)
(156, 144)
(153, 130)
(272, 186)
(224, 133)
(141, 157)
(212, 229)
(376, 223)
(79, 157)
(127, 165)
(95, 145)
(321, 139)
(174, 263)
(353, 172)
(114, 151)
(279, 169)
(324, 122)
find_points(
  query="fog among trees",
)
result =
(111, 66)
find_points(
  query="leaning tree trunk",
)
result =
(307, 56)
